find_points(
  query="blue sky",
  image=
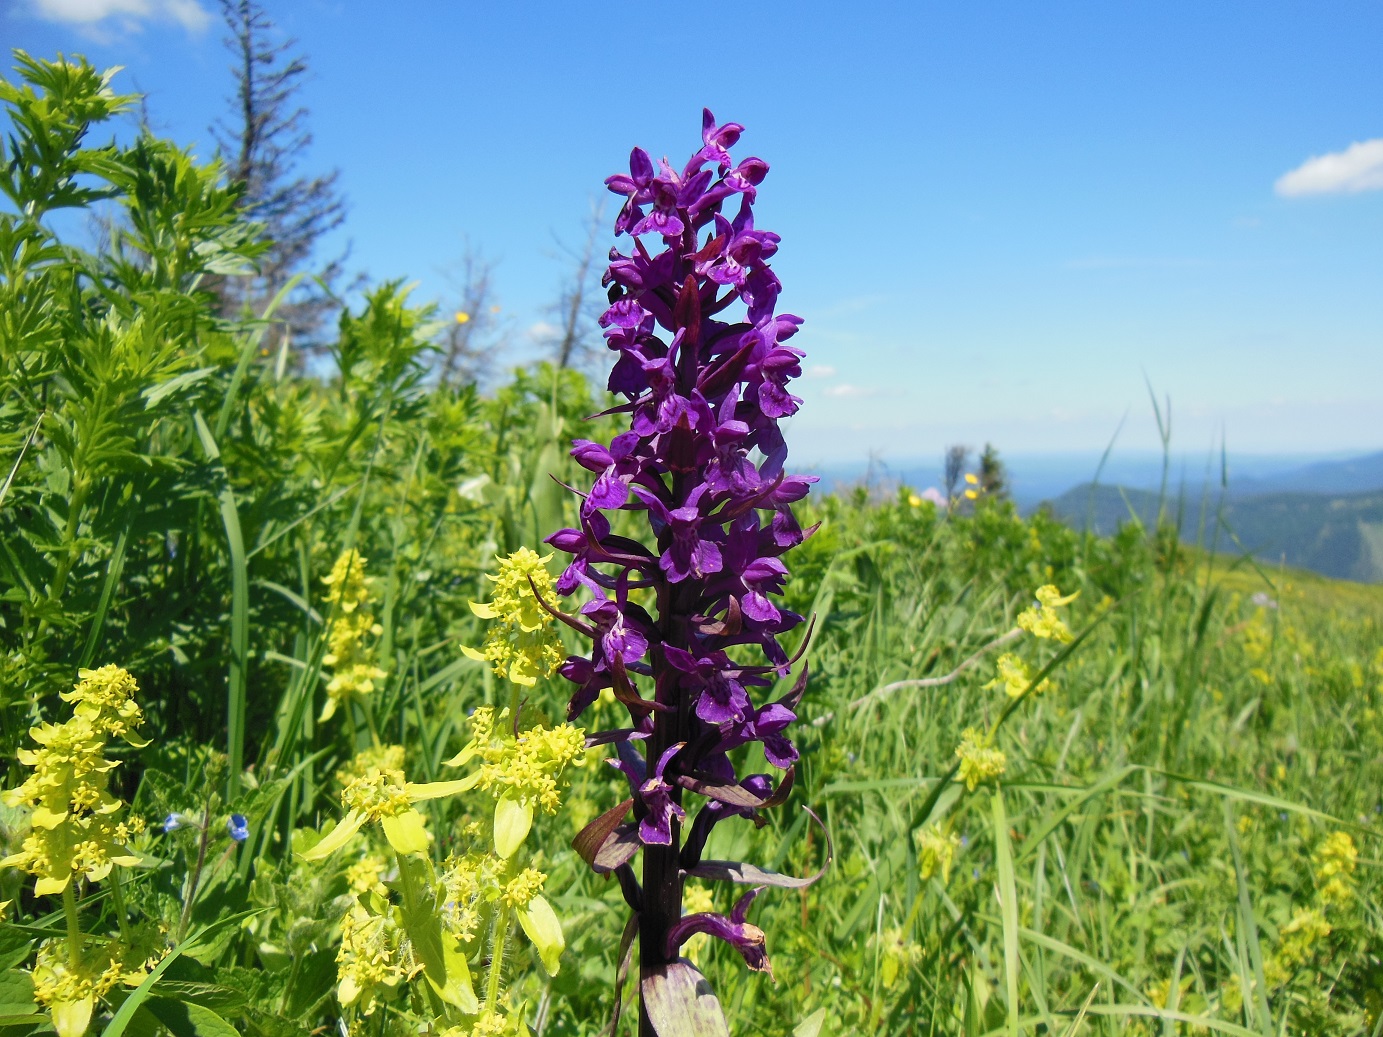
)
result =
(998, 219)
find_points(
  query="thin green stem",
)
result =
(118, 896)
(496, 976)
(74, 926)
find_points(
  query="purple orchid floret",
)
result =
(744, 936)
(678, 620)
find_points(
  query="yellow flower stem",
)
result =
(74, 926)
(118, 896)
(496, 976)
(410, 900)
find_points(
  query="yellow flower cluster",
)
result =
(352, 661)
(523, 887)
(74, 828)
(979, 760)
(490, 1024)
(1299, 937)
(1042, 619)
(936, 852)
(367, 876)
(897, 954)
(529, 766)
(375, 957)
(1335, 860)
(521, 646)
(1015, 675)
(376, 790)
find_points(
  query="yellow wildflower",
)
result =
(105, 697)
(1299, 936)
(1335, 860)
(69, 991)
(979, 761)
(367, 876)
(523, 887)
(377, 791)
(73, 827)
(521, 646)
(1015, 675)
(937, 851)
(352, 661)
(897, 953)
(1041, 620)
(373, 960)
(529, 765)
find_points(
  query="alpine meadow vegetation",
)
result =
(353, 699)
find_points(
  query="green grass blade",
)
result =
(1008, 906)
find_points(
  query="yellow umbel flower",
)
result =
(1335, 860)
(352, 661)
(979, 760)
(936, 852)
(1015, 675)
(1041, 620)
(377, 791)
(521, 646)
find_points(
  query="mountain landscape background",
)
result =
(1324, 514)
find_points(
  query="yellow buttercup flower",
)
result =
(1042, 620)
(979, 760)
(521, 646)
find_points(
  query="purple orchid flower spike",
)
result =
(701, 467)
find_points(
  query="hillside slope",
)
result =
(1335, 535)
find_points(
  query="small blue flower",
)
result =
(173, 822)
(238, 827)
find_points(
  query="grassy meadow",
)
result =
(1184, 837)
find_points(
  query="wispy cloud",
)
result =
(1358, 168)
(542, 331)
(820, 371)
(128, 16)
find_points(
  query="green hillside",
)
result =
(1335, 535)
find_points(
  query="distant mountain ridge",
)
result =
(1337, 535)
(1352, 476)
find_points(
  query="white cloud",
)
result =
(847, 391)
(542, 331)
(126, 14)
(820, 371)
(1358, 168)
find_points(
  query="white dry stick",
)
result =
(936, 682)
